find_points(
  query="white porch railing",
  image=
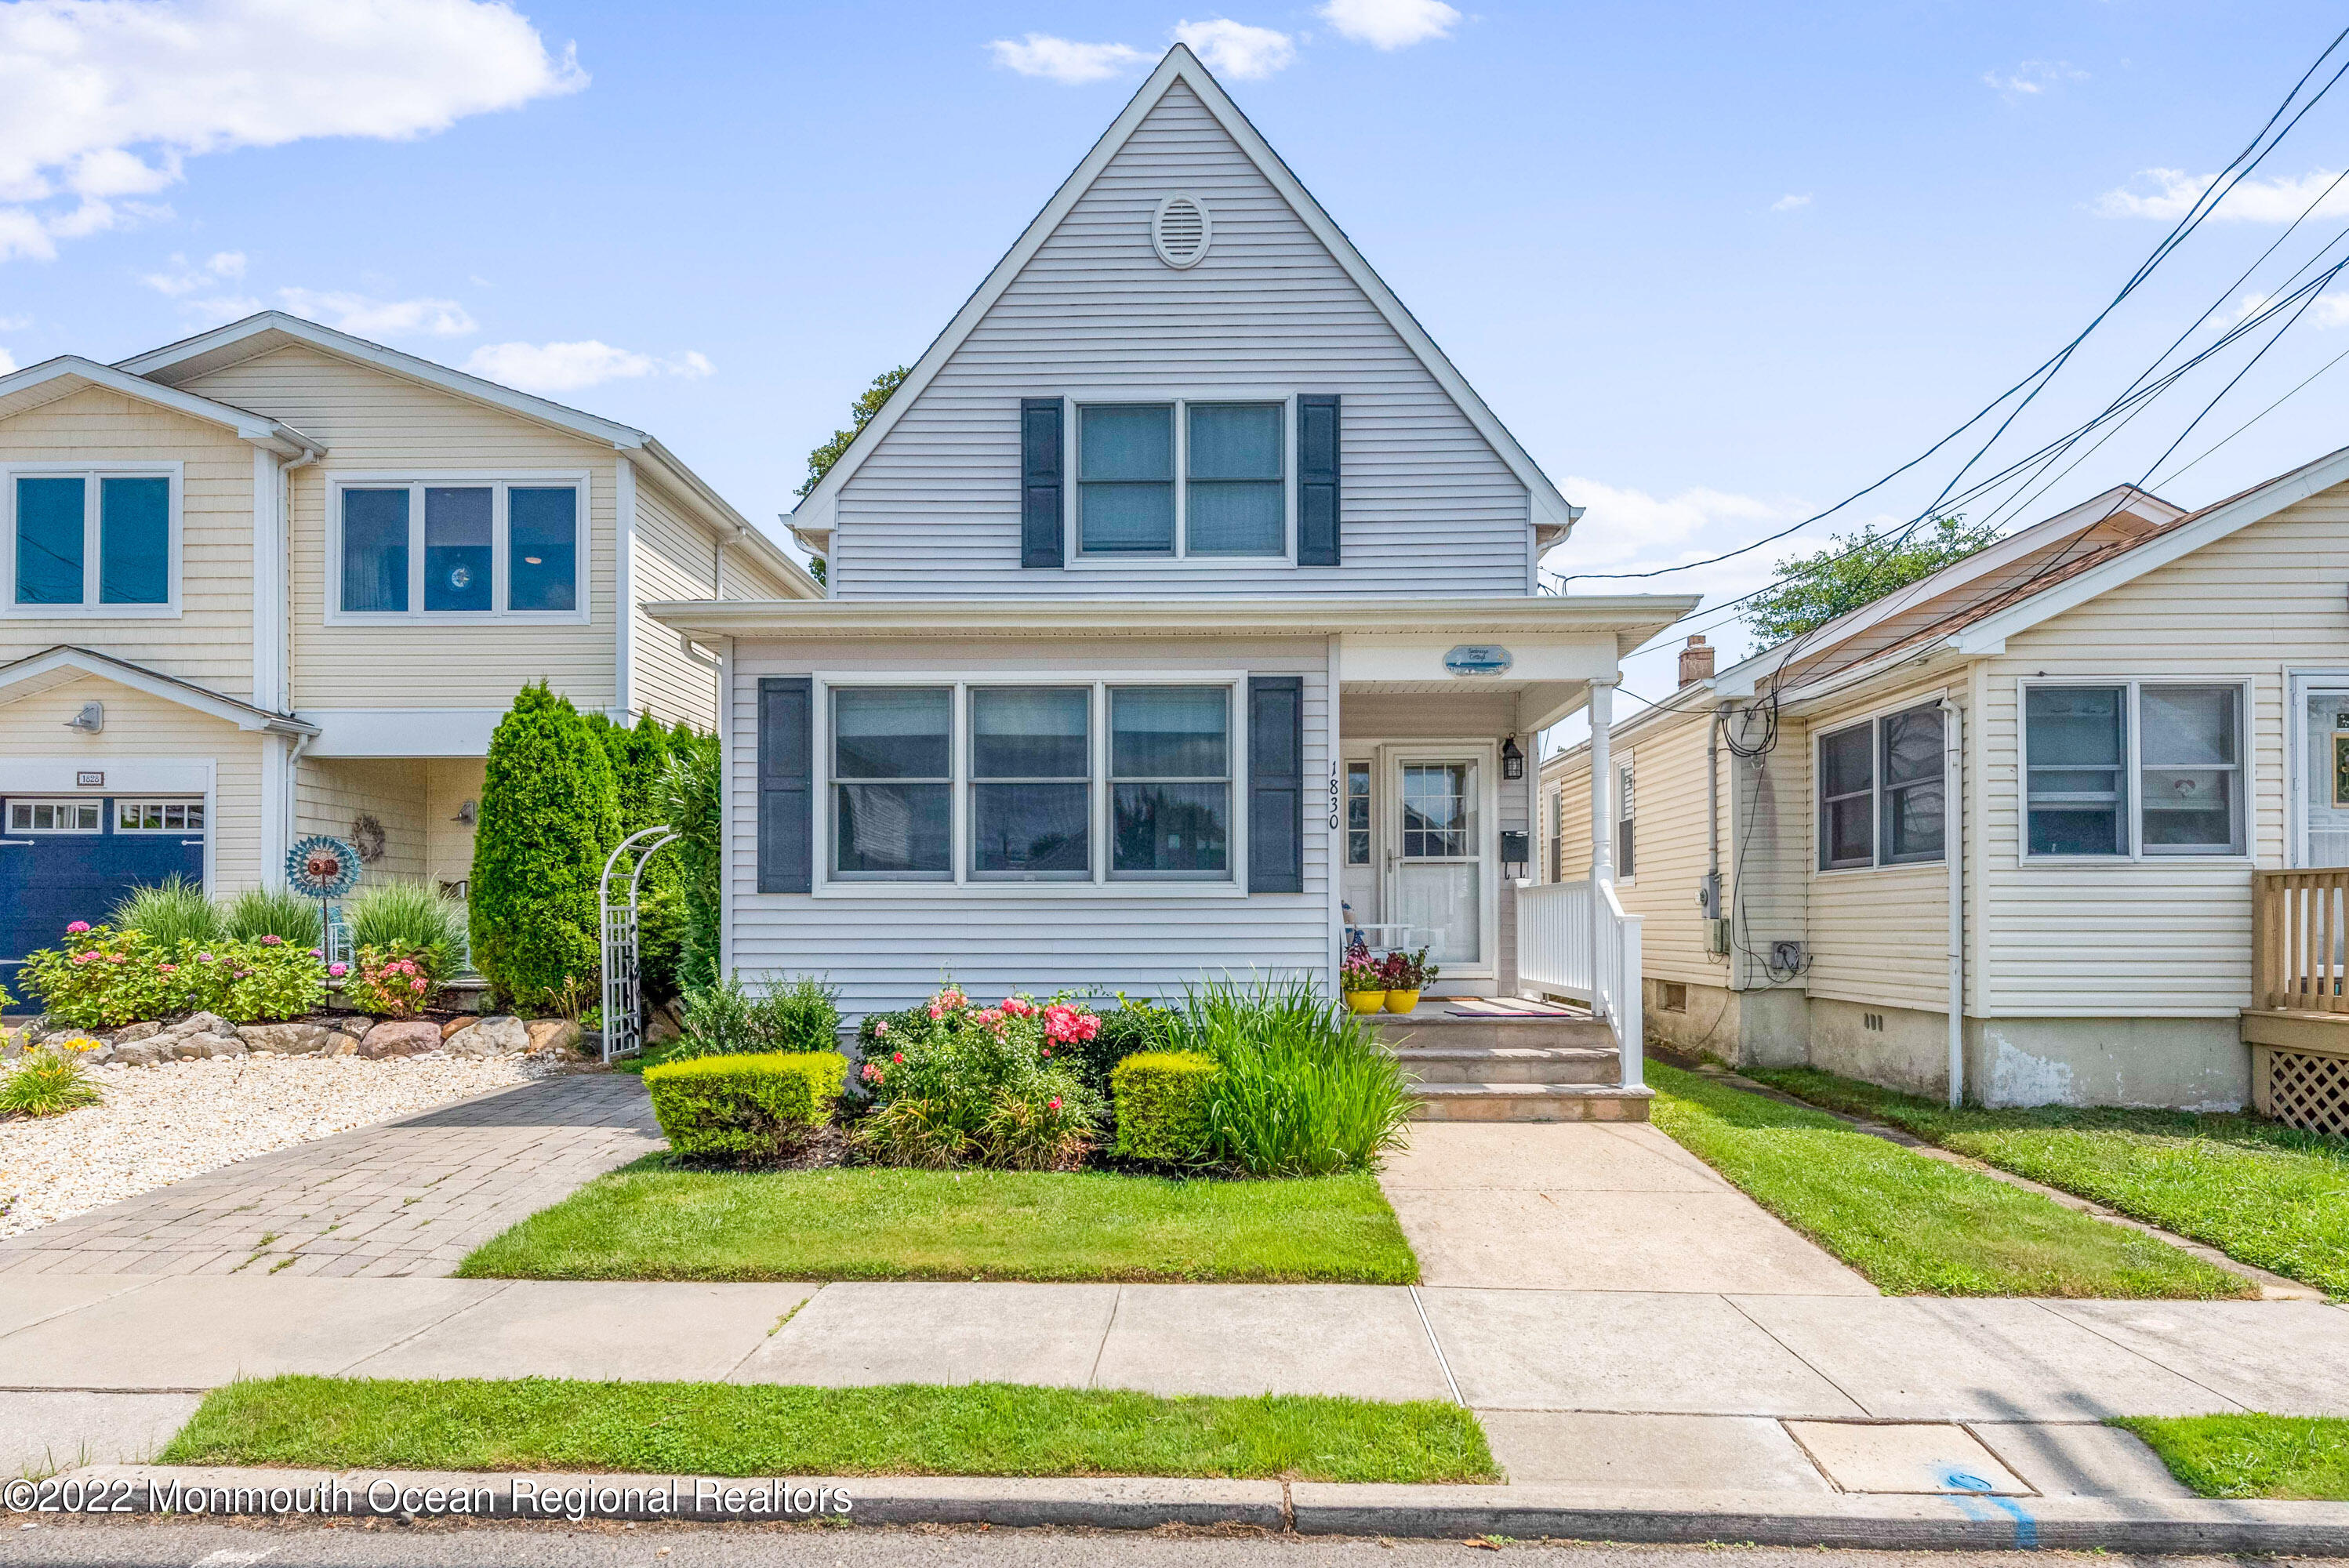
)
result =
(1560, 948)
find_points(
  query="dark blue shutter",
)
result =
(1041, 468)
(786, 784)
(1276, 856)
(1316, 478)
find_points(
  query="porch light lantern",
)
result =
(1513, 761)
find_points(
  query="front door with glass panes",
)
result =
(1437, 870)
(2325, 776)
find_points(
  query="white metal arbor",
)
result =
(624, 990)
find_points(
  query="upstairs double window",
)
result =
(482, 549)
(1182, 479)
(2130, 768)
(93, 541)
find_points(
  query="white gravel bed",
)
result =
(162, 1124)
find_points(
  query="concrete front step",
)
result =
(1528, 1102)
(1442, 1029)
(1509, 1064)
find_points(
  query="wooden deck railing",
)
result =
(2299, 939)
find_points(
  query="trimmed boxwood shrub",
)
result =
(550, 815)
(744, 1109)
(1161, 1105)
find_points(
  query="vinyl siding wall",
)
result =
(139, 727)
(1428, 506)
(331, 793)
(2167, 936)
(210, 642)
(375, 423)
(889, 951)
(674, 558)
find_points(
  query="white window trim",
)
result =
(90, 608)
(1874, 721)
(1073, 552)
(2299, 684)
(497, 479)
(7, 820)
(963, 885)
(2132, 805)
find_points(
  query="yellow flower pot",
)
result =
(1368, 1001)
(1402, 1001)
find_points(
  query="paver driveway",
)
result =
(406, 1197)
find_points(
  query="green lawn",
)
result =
(1913, 1226)
(2285, 1457)
(2268, 1194)
(647, 1221)
(766, 1429)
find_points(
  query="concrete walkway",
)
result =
(410, 1197)
(1592, 1205)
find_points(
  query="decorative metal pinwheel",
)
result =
(322, 868)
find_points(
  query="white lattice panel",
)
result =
(2309, 1092)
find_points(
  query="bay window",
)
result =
(1038, 781)
(486, 549)
(1182, 479)
(91, 540)
(1882, 793)
(2134, 768)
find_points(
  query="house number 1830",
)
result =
(1336, 800)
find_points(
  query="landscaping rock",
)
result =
(294, 1040)
(131, 1034)
(187, 1046)
(143, 1053)
(550, 1037)
(410, 1038)
(201, 1024)
(458, 1026)
(499, 1035)
(661, 1025)
(56, 1042)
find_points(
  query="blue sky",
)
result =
(1716, 265)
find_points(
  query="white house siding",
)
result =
(210, 642)
(378, 423)
(1768, 851)
(674, 558)
(1428, 506)
(331, 793)
(449, 783)
(1877, 936)
(2166, 937)
(888, 952)
(140, 728)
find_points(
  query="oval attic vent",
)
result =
(1181, 229)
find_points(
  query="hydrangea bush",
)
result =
(101, 978)
(955, 1083)
(390, 982)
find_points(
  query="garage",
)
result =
(68, 858)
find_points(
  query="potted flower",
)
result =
(1404, 974)
(1362, 981)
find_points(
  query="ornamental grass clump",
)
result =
(411, 919)
(169, 912)
(1301, 1087)
(259, 911)
(49, 1081)
(952, 1085)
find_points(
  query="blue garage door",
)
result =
(63, 859)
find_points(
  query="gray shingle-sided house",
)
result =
(1182, 620)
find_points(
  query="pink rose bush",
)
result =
(966, 1085)
(102, 978)
(390, 982)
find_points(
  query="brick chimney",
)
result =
(1696, 660)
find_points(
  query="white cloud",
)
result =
(183, 278)
(1390, 23)
(1063, 61)
(8, 364)
(215, 309)
(2277, 201)
(1790, 202)
(1632, 527)
(1236, 49)
(102, 101)
(569, 366)
(370, 318)
(15, 323)
(2032, 77)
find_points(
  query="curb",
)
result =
(1964, 1521)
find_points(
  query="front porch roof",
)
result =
(1625, 620)
(64, 664)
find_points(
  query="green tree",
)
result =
(550, 814)
(868, 403)
(1858, 569)
(639, 755)
(692, 799)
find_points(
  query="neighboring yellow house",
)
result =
(276, 579)
(2146, 713)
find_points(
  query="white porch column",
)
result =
(1602, 833)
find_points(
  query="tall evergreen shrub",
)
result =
(639, 755)
(691, 799)
(550, 814)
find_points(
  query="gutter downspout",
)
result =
(1953, 841)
